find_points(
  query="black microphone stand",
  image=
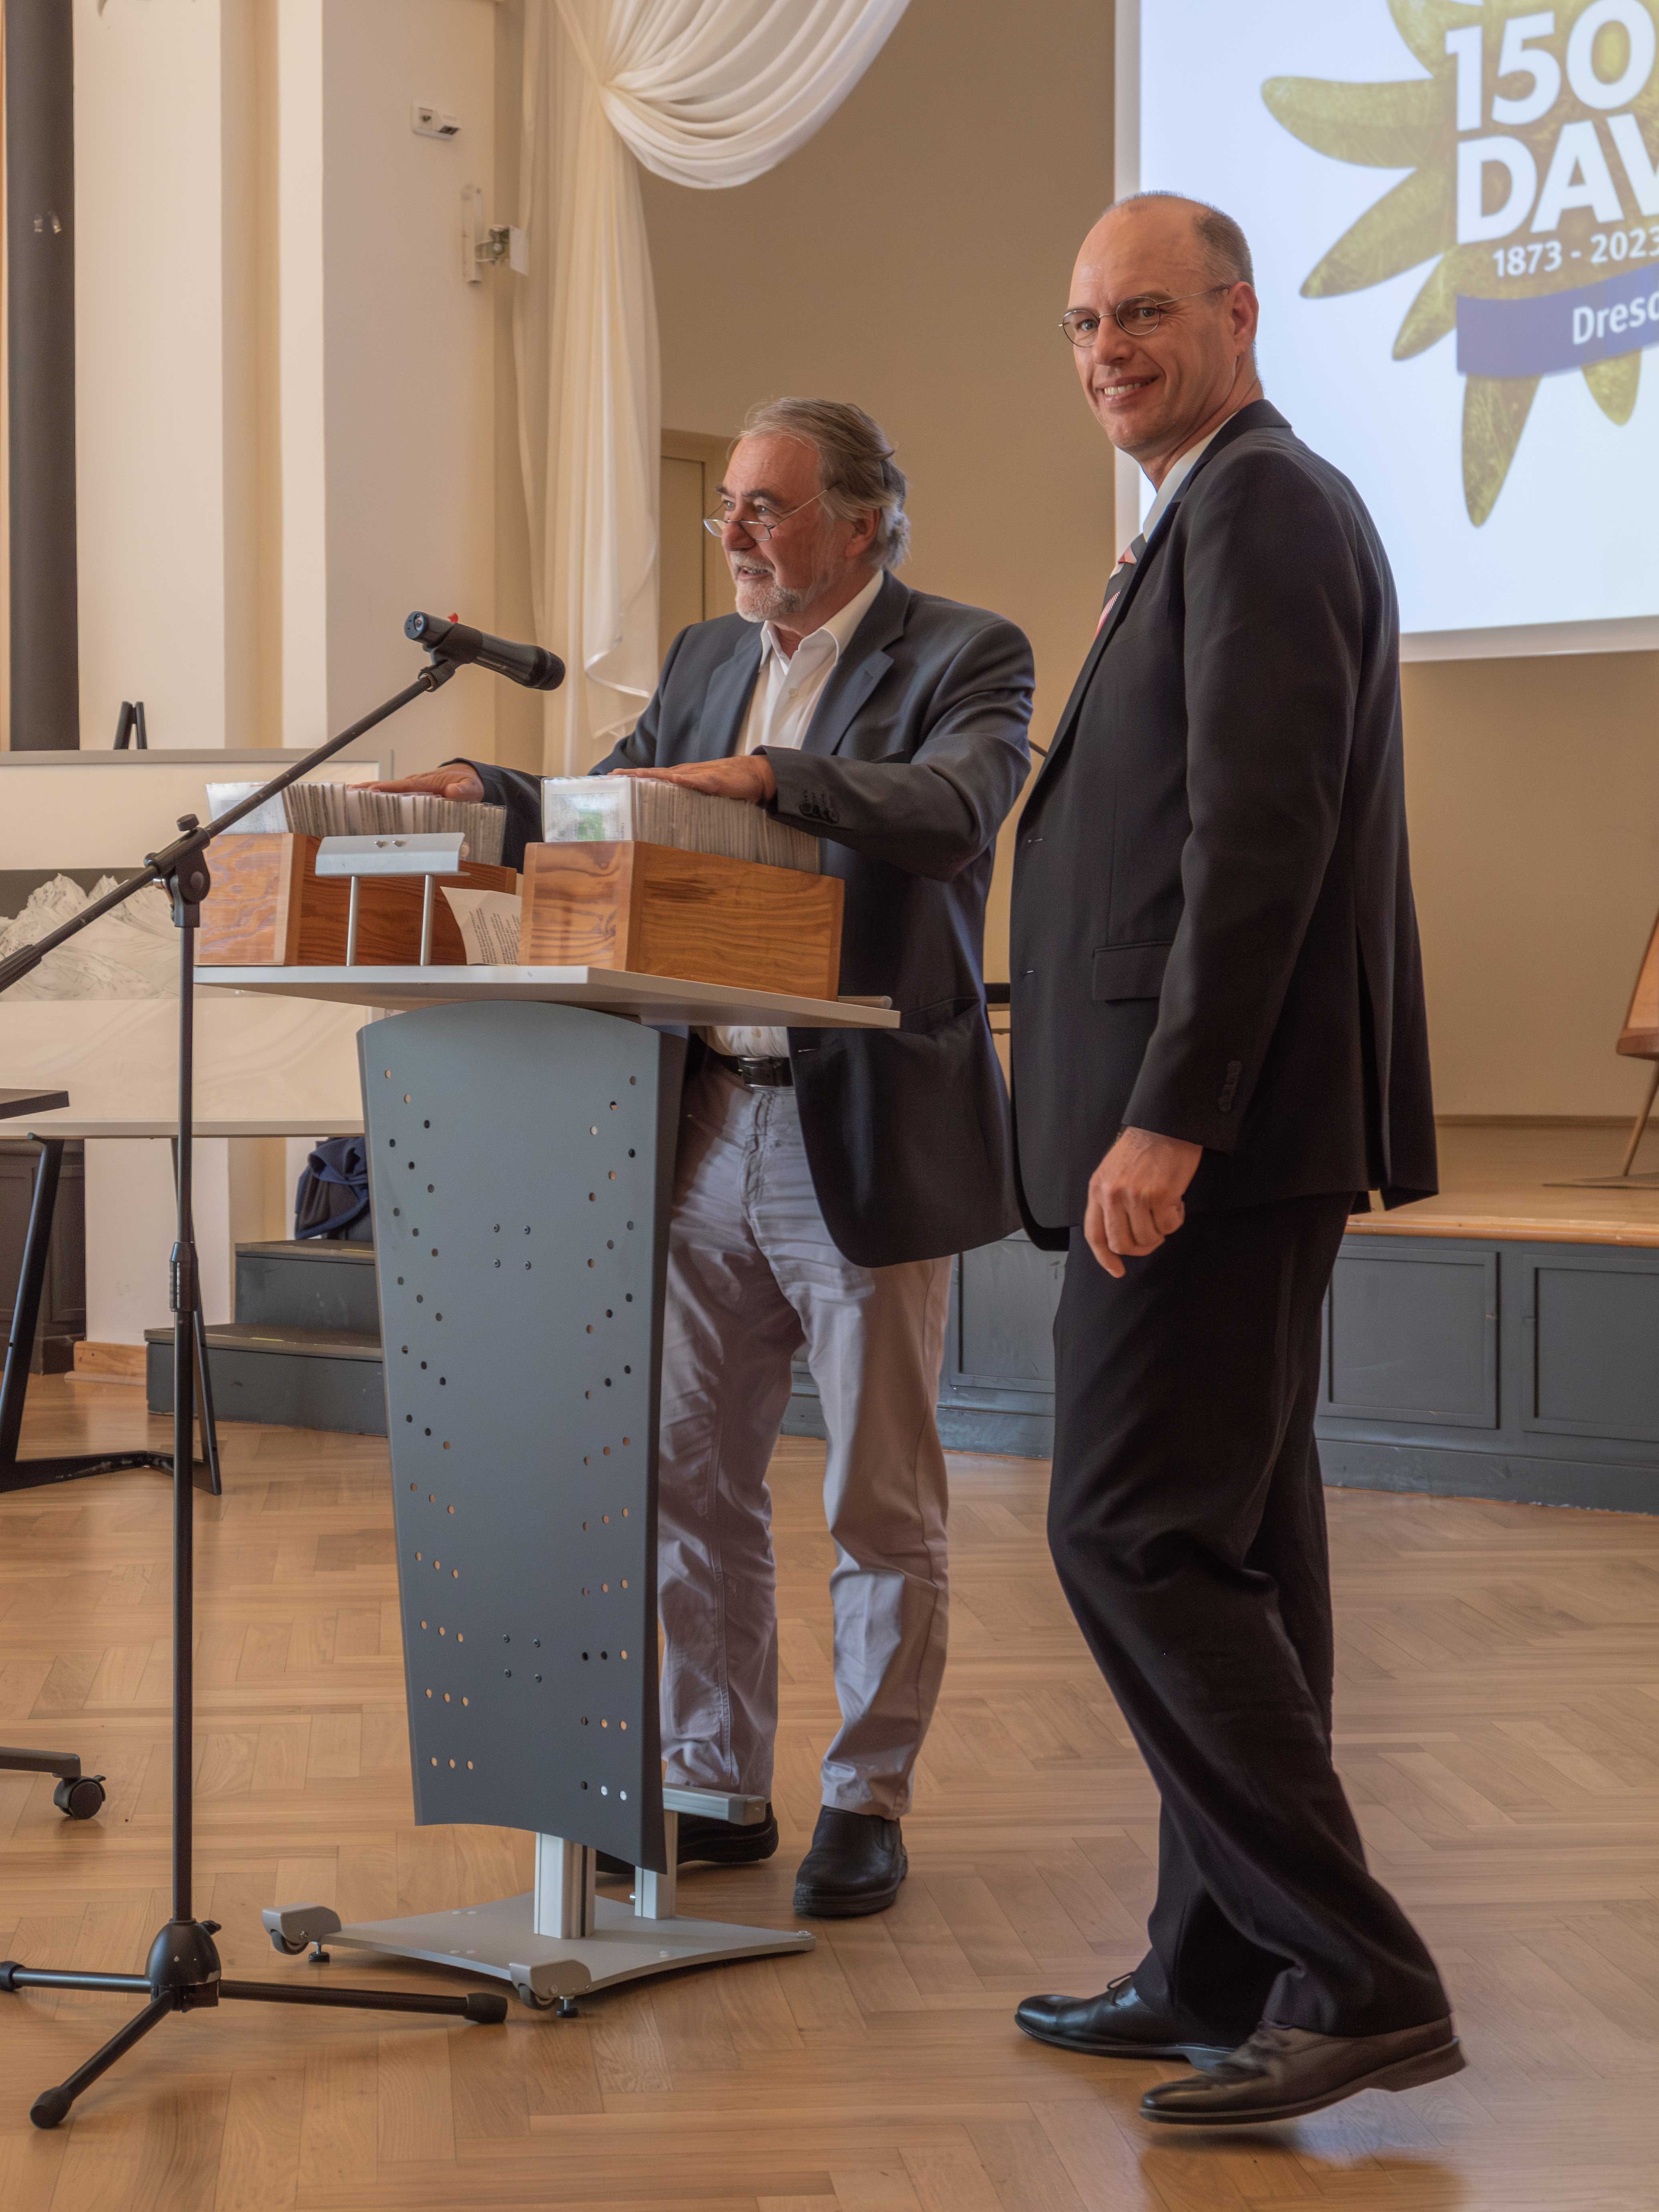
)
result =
(183, 1972)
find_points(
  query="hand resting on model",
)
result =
(455, 780)
(747, 776)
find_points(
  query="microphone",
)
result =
(529, 665)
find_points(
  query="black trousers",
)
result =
(1186, 1520)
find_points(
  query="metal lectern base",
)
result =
(561, 1940)
(499, 1939)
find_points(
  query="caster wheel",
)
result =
(82, 1799)
(527, 1995)
(290, 1947)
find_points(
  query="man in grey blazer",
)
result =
(826, 1177)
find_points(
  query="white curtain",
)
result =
(706, 93)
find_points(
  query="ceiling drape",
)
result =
(706, 93)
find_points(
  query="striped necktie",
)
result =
(1121, 575)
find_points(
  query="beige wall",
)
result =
(913, 256)
(1533, 788)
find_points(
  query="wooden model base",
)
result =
(270, 908)
(658, 911)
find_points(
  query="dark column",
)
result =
(46, 683)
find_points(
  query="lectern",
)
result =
(521, 1125)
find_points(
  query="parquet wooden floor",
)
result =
(1500, 1730)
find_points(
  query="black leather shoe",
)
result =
(1281, 2072)
(855, 1866)
(705, 1841)
(1114, 2024)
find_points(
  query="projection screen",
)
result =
(1455, 214)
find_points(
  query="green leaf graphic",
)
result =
(1385, 126)
(1431, 315)
(1410, 224)
(1614, 386)
(1495, 411)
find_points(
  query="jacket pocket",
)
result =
(1129, 971)
(939, 1015)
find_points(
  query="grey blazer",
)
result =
(913, 756)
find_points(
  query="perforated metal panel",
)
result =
(521, 1163)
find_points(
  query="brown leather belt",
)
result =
(758, 1075)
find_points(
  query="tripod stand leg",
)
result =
(205, 1404)
(484, 2006)
(52, 2105)
(204, 1381)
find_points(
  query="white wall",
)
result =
(388, 406)
(153, 415)
(286, 392)
(286, 415)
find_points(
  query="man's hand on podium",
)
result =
(455, 780)
(747, 776)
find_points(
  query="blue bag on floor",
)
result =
(332, 1197)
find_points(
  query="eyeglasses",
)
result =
(1138, 317)
(761, 523)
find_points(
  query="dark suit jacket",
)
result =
(914, 753)
(1213, 934)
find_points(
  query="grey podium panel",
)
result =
(521, 1159)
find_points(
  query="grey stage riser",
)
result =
(293, 1378)
(321, 1283)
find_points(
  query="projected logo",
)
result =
(1533, 185)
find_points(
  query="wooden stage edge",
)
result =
(1502, 1179)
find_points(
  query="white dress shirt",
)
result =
(1178, 473)
(785, 696)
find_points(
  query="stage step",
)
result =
(313, 1285)
(299, 1378)
(304, 1350)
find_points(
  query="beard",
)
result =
(761, 599)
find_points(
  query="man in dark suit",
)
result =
(1220, 1049)
(826, 1177)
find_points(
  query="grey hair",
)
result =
(1224, 246)
(856, 466)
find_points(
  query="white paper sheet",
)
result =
(488, 923)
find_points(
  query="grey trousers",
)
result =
(752, 1276)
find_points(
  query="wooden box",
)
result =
(270, 908)
(658, 911)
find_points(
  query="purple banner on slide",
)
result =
(1561, 330)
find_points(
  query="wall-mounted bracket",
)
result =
(485, 245)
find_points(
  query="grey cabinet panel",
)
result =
(1593, 1328)
(1412, 1336)
(1003, 1338)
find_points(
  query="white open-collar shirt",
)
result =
(785, 698)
